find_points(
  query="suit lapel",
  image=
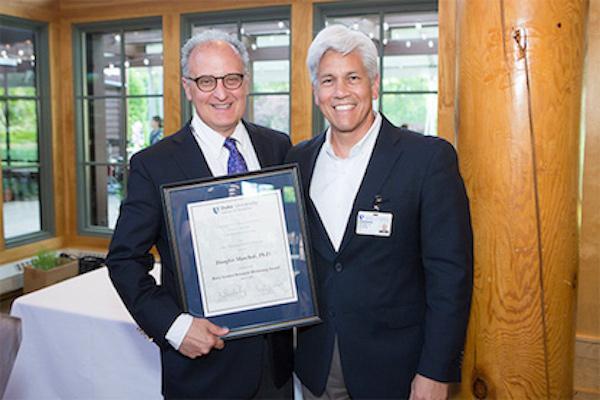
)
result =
(385, 154)
(260, 144)
(188, 155)
(320, 239)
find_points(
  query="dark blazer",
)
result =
(235, 371)
(399, 305)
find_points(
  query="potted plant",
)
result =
(46, 269)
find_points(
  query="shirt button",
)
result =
(338, 267)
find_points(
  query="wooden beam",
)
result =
(171, 72)
(301, 89)
(447, 70)
(519, 97)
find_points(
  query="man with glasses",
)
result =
(195, 360)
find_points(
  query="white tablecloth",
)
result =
(79, 342)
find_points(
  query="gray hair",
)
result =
(343, 40)
(213, 35)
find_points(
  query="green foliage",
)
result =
(406, 83)
(268, 87)
(45, 260)
(22, 126)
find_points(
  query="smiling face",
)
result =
(344, 94)
(221, 109)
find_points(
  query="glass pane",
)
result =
(102, 64)
(21, 201)
(22, 141)
(270, 76)
(103, 125)
(17, 61)
(105, 192)
(272, 111)
(267, 40)
(142, 113)
(417, 111)
(144, 62)
(3, 131)
(229, 28)
(368, 24)
(410, 73)
(410, 34)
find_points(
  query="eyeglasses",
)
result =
(208, 83)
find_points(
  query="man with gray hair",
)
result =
(390, 227)
(196, 362)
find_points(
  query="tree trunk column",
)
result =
(519, 68)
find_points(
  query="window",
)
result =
(25, 131)
(266, 34)
(406, 35)
(119, 95)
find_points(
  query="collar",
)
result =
(367, 141)
(212, 141)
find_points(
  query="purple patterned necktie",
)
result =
(236, 163)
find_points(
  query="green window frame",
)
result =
(42, 100)
(381, 9)
(102, 180)
(238, 18)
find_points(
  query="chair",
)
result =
(10, 340)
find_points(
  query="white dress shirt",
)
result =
(211, 144)
(335, 181)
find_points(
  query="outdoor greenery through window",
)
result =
(23, 126)
(120, 106)
(408, 62)
(266, 34)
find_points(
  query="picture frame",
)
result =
(241, 250)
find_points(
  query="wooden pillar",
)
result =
(301, 101)
(519, 70)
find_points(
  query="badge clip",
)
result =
(377, 202)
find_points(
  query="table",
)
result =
(79, 342)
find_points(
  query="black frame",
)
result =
(43, 97)
(84, 225)
(177, 196)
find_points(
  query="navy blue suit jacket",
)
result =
(233, 372)
(399, 305)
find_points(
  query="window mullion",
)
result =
(123, 122)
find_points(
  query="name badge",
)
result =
(374, 223)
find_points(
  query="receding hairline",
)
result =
(217, 43)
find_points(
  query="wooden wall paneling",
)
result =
(587, 347)
(39, 10)
(58, 133)
(301, 89)
(29, 250)
(171, 72)
(587, 367)
(588, 322)
(67, 103)
(98, 10)
(447, 70)
(99, 244)
(585, 396)
(518, 134)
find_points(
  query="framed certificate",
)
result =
(240, 247)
